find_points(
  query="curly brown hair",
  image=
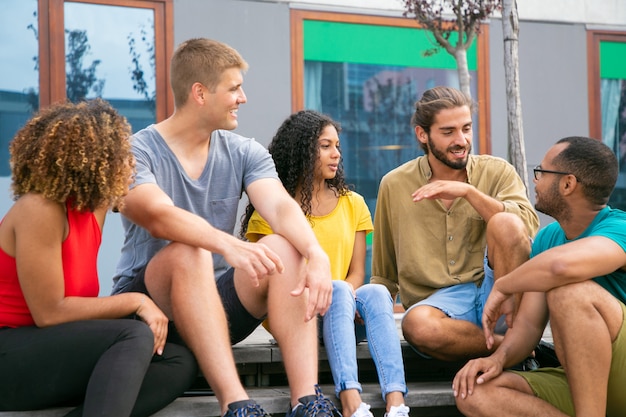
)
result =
(79, 153)
(295, 149)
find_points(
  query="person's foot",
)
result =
(363, 411)
(314, 406)
(398, 411)
(245, 408)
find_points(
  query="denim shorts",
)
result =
(240, 323)
(462, 301)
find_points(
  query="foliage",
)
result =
(32, 94)
(137, 73)
(445, 17)
(80, 81)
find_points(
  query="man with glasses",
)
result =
(538, 171)
(446, 224)
(576, 278)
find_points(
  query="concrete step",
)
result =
(423, 398)
(259, 363)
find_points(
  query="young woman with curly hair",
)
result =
(306, 152)
(61, 344)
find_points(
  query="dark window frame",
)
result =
(52, 48)
(594, 37)
(297, 61)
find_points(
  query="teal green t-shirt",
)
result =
(609, 223)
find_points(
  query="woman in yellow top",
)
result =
(306, 152)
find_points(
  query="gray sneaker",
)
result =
(245, 408)
(314, 406)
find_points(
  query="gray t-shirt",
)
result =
(234, 162)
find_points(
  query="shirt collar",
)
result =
(428, 173)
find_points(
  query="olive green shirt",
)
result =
(421, 247)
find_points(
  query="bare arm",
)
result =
(285, 218)
(485, 205)
(151, 208)
(39, 227)
(519, 341)
(572, 262)
(356, 271)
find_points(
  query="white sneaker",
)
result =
(363, 411)
(398, 411)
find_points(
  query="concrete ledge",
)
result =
(275, 400)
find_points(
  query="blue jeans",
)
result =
(341, 335)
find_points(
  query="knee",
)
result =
(508, 242)
(342, 290)
(180, 258)
(419, 326)
(284, 249)
(138, 332)
(343, 299)
(375, 295)
(507, 229)
(570, 296)
(472, 405)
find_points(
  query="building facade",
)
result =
(361, 61)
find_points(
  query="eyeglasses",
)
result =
(537, 171)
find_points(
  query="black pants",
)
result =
(106, 367)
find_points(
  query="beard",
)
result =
(551, 203)
(441, 155)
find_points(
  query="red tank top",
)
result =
(79, 253)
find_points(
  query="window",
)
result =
(114, 49)
(366, 72)
(607, 100)
(18, 81)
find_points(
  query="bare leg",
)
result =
(585, 320)
(507, 395)
(297, 339)
(394, 399)
(435, 334)
(350, 401)
(508, 246)
(508, 243)
(180, 280)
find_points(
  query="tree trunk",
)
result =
(463, 70)
(516, 148)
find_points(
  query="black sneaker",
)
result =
(545, 354)
(314, 406)
(245, 408)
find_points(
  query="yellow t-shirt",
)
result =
(335, 231)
